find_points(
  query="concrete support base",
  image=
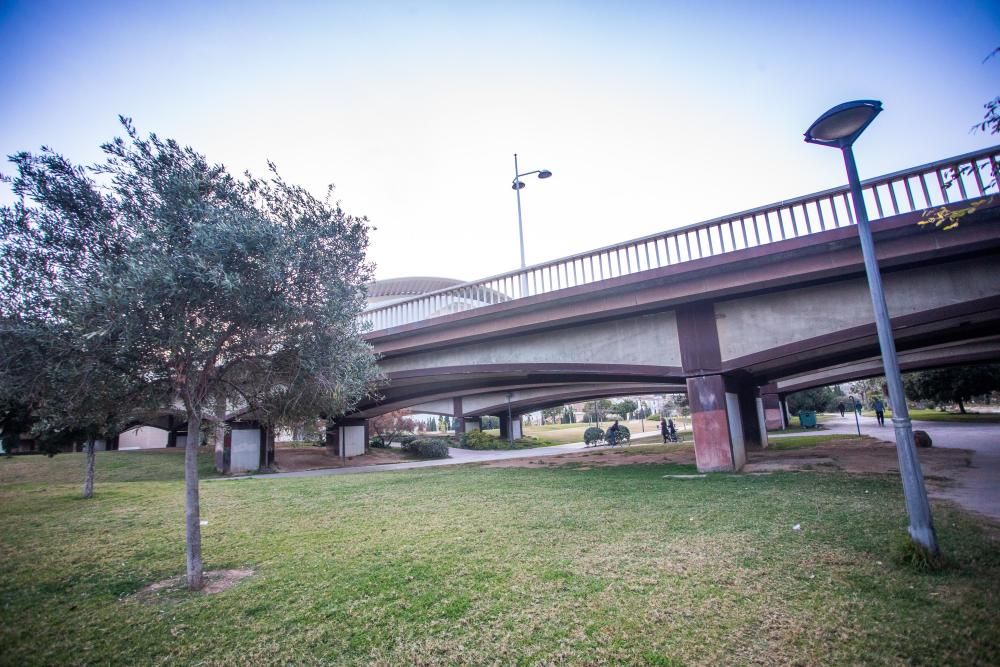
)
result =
(774, 416)
(347, 437)
(726, 421)
(511, 428)
(472, 424)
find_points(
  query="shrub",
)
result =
(428, 449)
(377, 443)
(593, 435)
(406, 439)
(478, 440)
(624, 435)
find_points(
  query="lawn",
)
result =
(559, 434)
(938, 416)
(470, 565)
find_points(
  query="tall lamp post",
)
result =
(517, 184)
(840, 127)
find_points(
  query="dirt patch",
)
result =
(868, 456)
(603, 458)
(215, 581)
(295, 459)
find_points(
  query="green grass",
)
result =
(121, 466)
(806, 441)
(470, 565)
(937, 416)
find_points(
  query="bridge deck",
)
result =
(923, 188)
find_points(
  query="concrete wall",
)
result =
(757, 323)
(143, 437)
(354, 440)
(244, 452)
(644, 340)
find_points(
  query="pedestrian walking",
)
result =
(841, 407)
(663, 430)
(879, 409)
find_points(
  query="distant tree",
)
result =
(954, 384)
(568, 416)
(390, 426)
(217, 291)
(866, 390)
(624, 408)
(552, 414)
(817, 399)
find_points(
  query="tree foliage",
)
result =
(950, 217)
(956, 384)
(216, 293)
(391, 425)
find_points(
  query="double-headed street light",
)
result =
(840, 127)
(516, 185)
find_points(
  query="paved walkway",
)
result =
(457, 457)
(979, 487)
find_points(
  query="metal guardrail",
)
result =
(928, 186)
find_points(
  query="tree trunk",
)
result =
(88, 480)
(961, 406)
(192, 511)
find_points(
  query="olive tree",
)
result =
(222, 291)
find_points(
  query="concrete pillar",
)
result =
(773, 412)
(332, 438)
(720, 432)
(754, 437)
(458, 419)
(267, 447)
(347, 437)
(507, 426)
(472, 424)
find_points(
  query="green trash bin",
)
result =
(807, 418)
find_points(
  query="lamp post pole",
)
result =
(917, 506)
(854, 410)
(517, 184)
(520, 224)
(839, 128)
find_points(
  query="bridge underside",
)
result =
(735, 331)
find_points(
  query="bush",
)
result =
(478, 440)
(377, 443)
(434, 448)
(406, 439)
(624, 435)
(593, 435)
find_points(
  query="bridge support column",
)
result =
(472, 424)
(774, 414)
(724, 418)
(458, 419)
(347, 437)
(511, 427)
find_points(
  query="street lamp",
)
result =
(840, 127)
(854, 409)
(517, 184)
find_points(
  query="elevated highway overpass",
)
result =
(736, 311)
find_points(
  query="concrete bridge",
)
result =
(736, 311)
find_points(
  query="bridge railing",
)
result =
(928, 186)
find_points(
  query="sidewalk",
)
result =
(457, 457)
(979, 487)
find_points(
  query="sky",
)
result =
(650, 115)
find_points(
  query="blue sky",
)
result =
(650, 115)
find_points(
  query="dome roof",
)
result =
(410, 286)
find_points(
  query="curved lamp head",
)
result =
(544, 173)
(517, 185)
(843, 124)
